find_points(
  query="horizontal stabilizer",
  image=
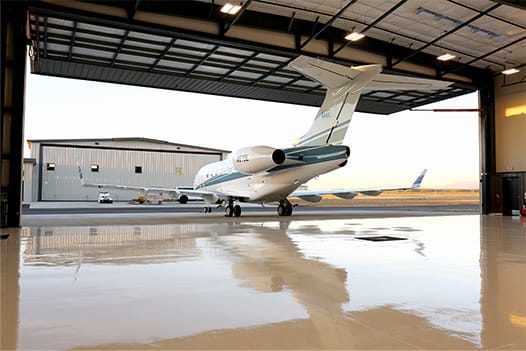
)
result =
(395, 82)
(328, 74)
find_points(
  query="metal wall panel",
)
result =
(160, 168)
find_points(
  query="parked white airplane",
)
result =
(263, 174)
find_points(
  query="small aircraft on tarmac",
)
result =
(263, 174)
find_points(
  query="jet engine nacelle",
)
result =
(254, 159)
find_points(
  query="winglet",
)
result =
(418, 181)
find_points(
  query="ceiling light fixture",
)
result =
(354, 36)
(446, 57)
(510, 71)
(230, 9)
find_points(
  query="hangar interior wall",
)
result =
(508, 184)
(59, 178)
(510, 127)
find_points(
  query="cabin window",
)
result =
(50, 166)
(94, 168)
(138, 169)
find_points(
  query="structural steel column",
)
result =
(12, 65)
(487, 145)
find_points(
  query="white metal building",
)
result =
(54, 175)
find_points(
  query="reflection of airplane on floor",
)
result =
(263, 174)
(266, 258)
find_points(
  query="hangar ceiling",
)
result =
(193, 46)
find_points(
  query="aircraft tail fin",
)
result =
(344, 85)
(416, 184)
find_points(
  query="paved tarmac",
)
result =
(92, 213)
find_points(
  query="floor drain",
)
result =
(381, 238)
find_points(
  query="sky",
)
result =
(385, 150)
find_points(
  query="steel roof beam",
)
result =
(74, 32)
(460, 26)
(45, 36)
(132, 10)
(383, 47)
(273, 71)
(373, 24)
(161, 56)
(487, 14)
(210, 53)
(243, 8)
(238, 66)
(485, 55)
(124, 37)
(327, 25)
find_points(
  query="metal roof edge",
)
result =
(147, 140)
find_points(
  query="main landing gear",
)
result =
(285, 208)
(231, 210)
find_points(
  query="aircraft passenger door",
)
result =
(511, 195)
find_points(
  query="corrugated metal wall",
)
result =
(159, 168)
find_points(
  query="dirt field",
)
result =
(406, 197)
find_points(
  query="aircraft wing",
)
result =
(171, 191)
(208, 196)
(213, 196)
(348, 194)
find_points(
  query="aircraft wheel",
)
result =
(183, 199)
(229, 211)
(281, 210)
(207, 209)
(285, 209)
(237, 210)
(288, 209)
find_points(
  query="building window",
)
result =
(50, 166)
(94, 168)
(138, 169)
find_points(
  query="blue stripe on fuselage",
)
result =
(306, 155)
(309, 155)
(222, 178)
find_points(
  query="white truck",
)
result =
(105, 198)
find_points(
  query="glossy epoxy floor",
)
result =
(454, 282)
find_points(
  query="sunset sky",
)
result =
(385, 150)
